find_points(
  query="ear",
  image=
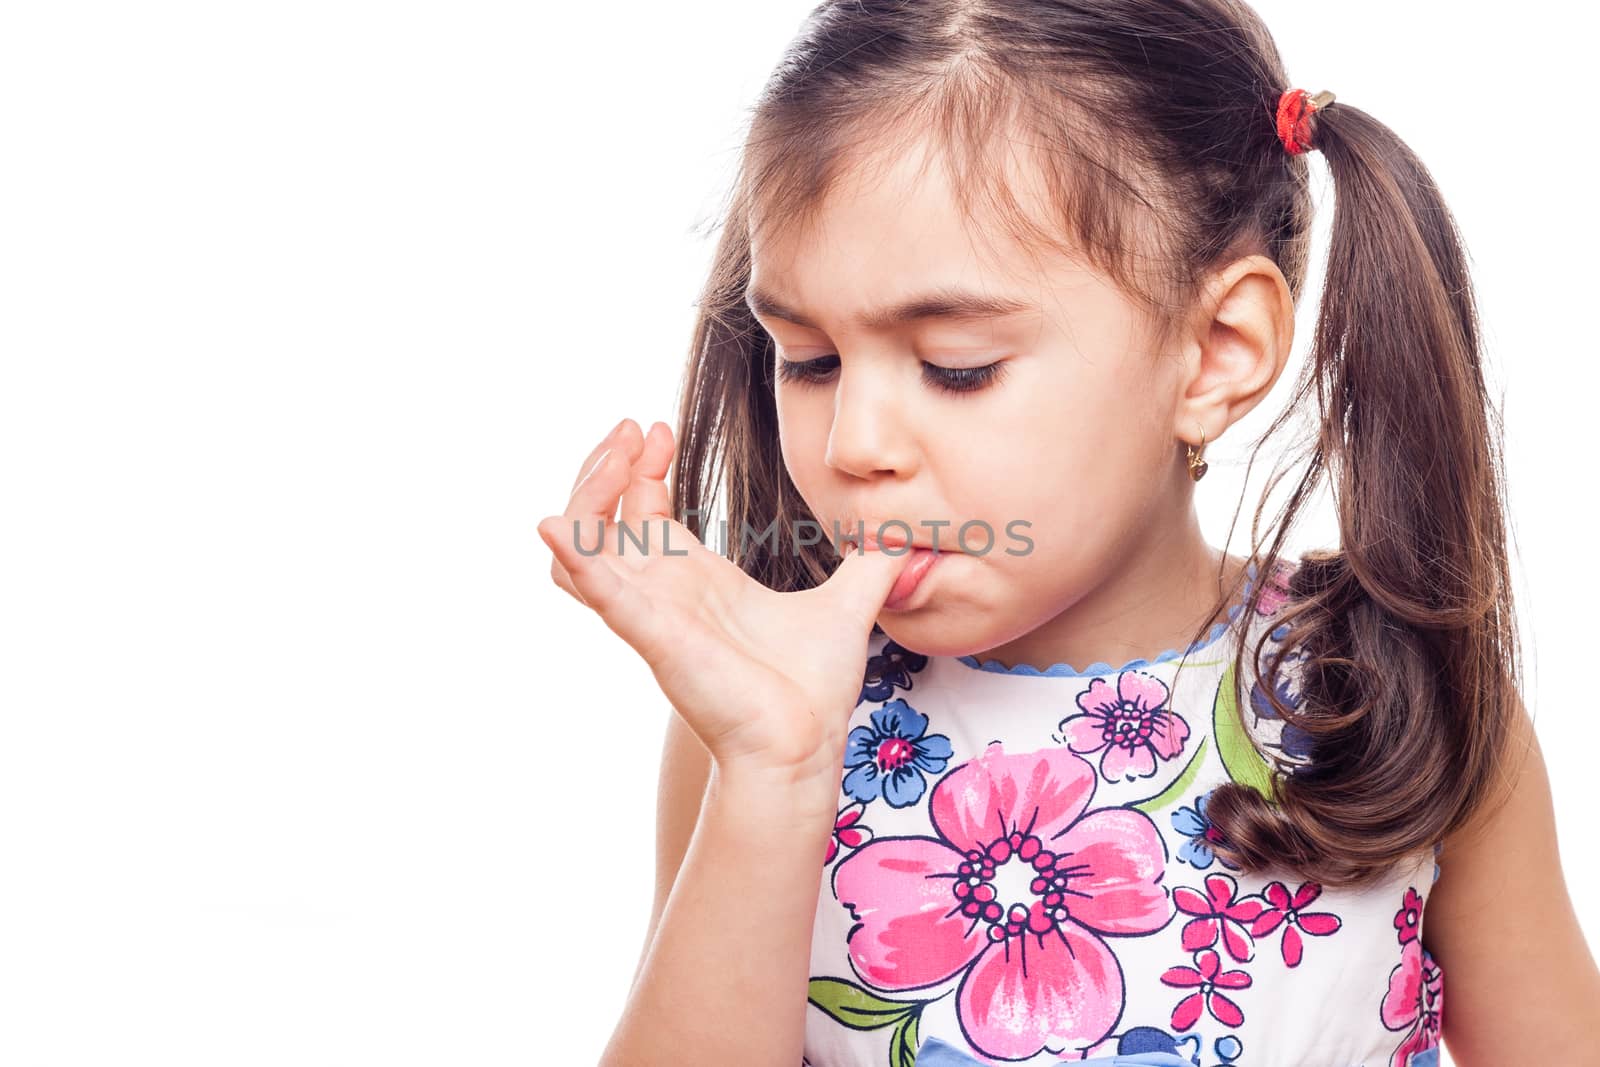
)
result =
(1237, 345)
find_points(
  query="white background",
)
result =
(309, 313)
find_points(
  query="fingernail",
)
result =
(617, 428)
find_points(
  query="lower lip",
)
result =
(917, 568)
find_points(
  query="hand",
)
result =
(765, 679)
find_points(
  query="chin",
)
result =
(930, 631)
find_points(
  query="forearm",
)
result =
(725, 979)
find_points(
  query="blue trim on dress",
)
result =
(936, 1053)
(1067, 670)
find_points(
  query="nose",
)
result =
(872, 434)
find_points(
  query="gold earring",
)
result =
(1197, 466)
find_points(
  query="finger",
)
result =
(863, 581)
(590, 513)
(593, 578)
(609, 441)
(606, 587)
(647, 495)
(594, 502)
(594, 456)
(559, 575)
(595, 496)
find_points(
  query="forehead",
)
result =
(891, 243)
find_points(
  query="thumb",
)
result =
(863, 580)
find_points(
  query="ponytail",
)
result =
(1403, 640)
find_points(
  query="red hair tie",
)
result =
(1294, 118)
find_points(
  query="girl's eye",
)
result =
(949, 379)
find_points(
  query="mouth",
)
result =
(912, 578)
(921, 559)
(894, 534)
(870, 542)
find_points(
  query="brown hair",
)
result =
(1151, 124)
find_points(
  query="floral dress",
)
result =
(1020, 872)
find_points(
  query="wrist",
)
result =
(800, 792)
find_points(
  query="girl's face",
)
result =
(1069, 442)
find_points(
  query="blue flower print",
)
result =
(1148, 1039)
(892, 667)
(889, 758)
(1227, 1048)
(1294, 741)
(1193, 824)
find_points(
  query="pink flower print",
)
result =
(1414, 1002)
(1206, 977)
(1012, 895)
(1276, 589)
(1218, 914)
(848, 830)
(1130, 722)
(1287, 911)
(1409, 917)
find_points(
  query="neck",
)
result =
(1151, 599)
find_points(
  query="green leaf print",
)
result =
(1244, 764)
(857, 1008)
(903, 1046)
(1180, 785)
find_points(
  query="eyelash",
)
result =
(949, 379)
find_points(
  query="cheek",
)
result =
(1091, 427)
(1078, 466)
(802, 438)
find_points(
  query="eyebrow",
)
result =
(941, 303)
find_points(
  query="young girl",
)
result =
(980, 754)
